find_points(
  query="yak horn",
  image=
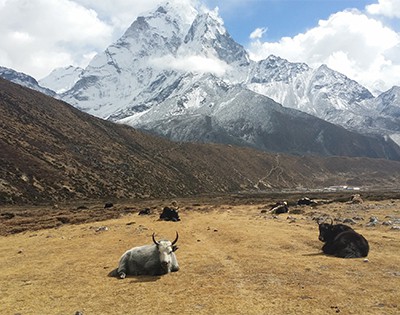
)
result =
(176, 239)
(154, 240)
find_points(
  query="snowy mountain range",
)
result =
(25, 80)
(61, 80)
(177, 72)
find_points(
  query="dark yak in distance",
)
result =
(342, 241)
(170, 214)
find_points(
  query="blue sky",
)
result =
(280, 17)
(359, 38)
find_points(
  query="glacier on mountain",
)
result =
(62, 79)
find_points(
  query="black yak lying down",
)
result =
(170, 214)
(342, 241)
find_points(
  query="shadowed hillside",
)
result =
(51, 152)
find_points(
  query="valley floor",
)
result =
(233, 259)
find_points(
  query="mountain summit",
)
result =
(183, 76)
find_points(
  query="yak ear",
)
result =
(174, 248)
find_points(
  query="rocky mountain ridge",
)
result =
(24, 80)
(52, 152)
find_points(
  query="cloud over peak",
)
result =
(193, 63)
(258, 33)
(349, 42)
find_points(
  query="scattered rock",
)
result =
(101, 229)
(8, 215)
(141, 228)
(63, 219)
(373, 221)
(395, 228)
(108, 205)
(349, 221)
(291, 219)
(336, 309)
(356, 199)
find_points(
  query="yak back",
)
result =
(347, 244)
(328, 231)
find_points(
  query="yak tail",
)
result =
(113, 273)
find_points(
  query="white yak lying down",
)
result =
(154, 260)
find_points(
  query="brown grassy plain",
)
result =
(233, 260)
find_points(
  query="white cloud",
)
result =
(389, 8)
(349, 42)
(258, 33)
(39, 35)
(121, 13)
(196, 64)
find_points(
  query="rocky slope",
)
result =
(51, 152)
(24, 80)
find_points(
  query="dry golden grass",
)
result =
(233, 260)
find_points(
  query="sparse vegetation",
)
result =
(233, 258)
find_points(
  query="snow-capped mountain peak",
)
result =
(62, 79)
(178, 61)
(208, 36)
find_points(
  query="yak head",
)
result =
(325, 231)
(165, 249)
(328, 231)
